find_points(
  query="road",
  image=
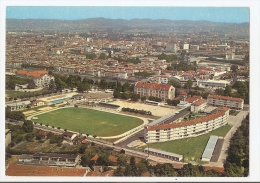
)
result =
(235, 121)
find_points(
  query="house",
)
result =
(183, 94)
(69, 136)
(94, 158)
(37, 103)
(43, 134)
(112, 159)
(163, 91)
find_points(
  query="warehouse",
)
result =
(206, 156)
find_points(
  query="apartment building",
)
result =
(173, 131)
(162, 91)
(218, 100)
(198, 105)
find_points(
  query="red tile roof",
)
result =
(219, 169)
(30, 170)
(225, 98)
(182, 92)
(93, 174)
(94, 158)
(34, 74)
(193, 99)
(112, 159)
(108, 173)
(154, 86)
(199, 102)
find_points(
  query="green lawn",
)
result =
(89, 121)
(192, 148)
(17, 94)
(233, 112)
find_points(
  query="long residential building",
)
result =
(163, 91)
(191, 128)
(225, 101)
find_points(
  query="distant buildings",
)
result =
(213, 83)
(192, 128)
(225, 101)
(163, 91)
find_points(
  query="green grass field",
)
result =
(192, 148)
(89, 121)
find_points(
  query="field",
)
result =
(89, 121)
(191, 148)
(17, 94)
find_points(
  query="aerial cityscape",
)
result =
(127, 92)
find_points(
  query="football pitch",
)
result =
(89, 121)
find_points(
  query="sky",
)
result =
(215, 14)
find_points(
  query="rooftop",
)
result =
(225, 98)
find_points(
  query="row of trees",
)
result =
(172, 102)
(168, 58)
(42, 67)
(127, 109)
(181, 66)
(237, 162)
(11, 81)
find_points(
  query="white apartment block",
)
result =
(162, 91)
(43, 81)
(213, 83)
(199, 105)
(192, 128)
(225, 101)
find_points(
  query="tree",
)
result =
(119, 172)
(103, 160)
(82, 148)
(234, 68)
(143, 98)
(228, 91)
(122, 160)
(31, 85)
(102, 56)
(83, 87)
(52, 85)
(29, 137)
(188, 84)
(27, 126)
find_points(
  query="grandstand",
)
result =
(163, 120)
(107, 105)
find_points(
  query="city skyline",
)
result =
(214, 14)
